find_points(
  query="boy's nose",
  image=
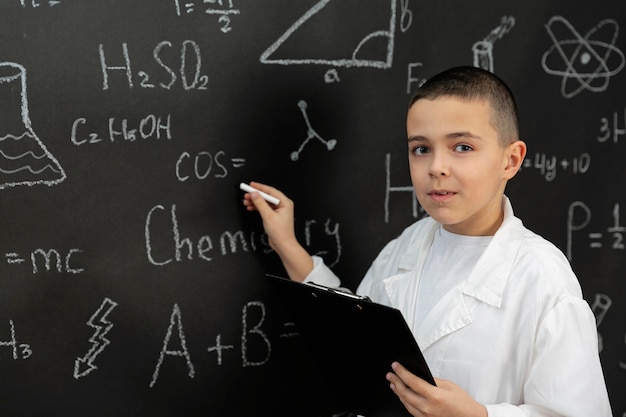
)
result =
(438, 166)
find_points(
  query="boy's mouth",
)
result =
(441, 196)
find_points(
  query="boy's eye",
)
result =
(463, 148)
(420, 150)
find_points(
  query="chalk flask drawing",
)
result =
(24, 159)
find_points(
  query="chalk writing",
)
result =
(37, 3)
(252, 334)
(85, 365)
(310, 134)
(406, 16)
(254, 331)
(587, 68)
(223, 8)
(150, 127)
(218, 348)
(327, 232)
(600, 307)
(613, 131)
(615, 231)
(331, 76)
(417, 210)
(411, 79)
(230, 242)
(548, 166)
(175, 320)
(18, 350)
(204, 164)
(483, 50)
(190, 62)
(52, 260)
(290, 330)
(24, 159)
(353, 61)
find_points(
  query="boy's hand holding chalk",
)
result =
(266, 197)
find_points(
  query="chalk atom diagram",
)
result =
(371, 47)
(24, 159)
(584, 62)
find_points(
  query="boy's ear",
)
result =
(515, 154)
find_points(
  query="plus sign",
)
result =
(219, 348)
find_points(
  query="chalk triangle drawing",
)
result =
(369, 43)
(24, 159)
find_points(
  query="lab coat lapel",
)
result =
(488, 279)
(485, 283)
(402, 287)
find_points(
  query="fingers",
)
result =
(416, 383)
(407, 397)
(411, 389)
(267, 189)
(260, 204)
(252, 203)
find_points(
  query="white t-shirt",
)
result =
(451, 259)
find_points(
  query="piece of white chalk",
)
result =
(266, 197)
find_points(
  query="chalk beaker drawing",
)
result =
(24, 159)
(311, 133)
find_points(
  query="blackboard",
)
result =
(132, 279)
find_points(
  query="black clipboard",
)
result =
(353, 341)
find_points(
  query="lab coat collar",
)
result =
(485, 283)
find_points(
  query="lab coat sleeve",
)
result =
(322, 274)
(565, 377)
(371, 284)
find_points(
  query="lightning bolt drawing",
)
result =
(83, 366)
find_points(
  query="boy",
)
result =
(496, 309)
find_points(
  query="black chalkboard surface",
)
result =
(131, 277)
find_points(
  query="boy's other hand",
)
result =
(422, 399)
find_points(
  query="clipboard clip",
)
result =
(344, 293)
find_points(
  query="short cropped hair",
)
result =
(472, 83)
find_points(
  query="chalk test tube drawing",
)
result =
(83, 366)
(483, 50)
(584, 62)
(24, 159)
(310, 134)
(354, 55)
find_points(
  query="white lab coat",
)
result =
(516, 334)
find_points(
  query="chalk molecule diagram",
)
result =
(584, 62)
(24, 159)
(311, 134)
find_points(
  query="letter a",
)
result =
(174, 320)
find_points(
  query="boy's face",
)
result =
(459, 167)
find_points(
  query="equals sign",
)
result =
(188, 6)
(596, 236)
(238, 162)
(291, 331)
(13, 258)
